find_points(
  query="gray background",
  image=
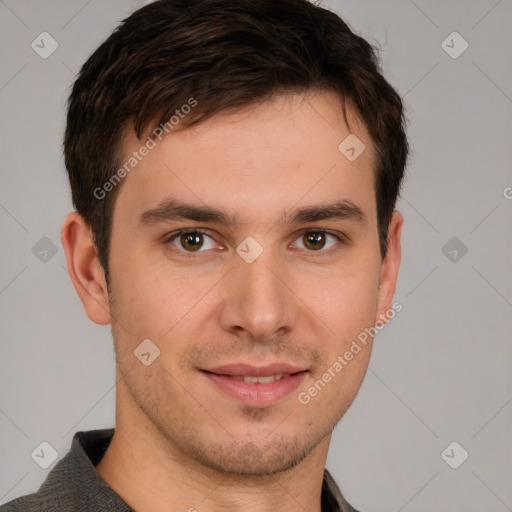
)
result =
(441, 370)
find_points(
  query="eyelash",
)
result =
(342, 239)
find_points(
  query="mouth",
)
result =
(262, 380)
(256, 386)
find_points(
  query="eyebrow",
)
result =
(172, 209)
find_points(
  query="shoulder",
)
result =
(332, 498)
(35, 502)
(73, 484)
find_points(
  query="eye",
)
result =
(192, 241)
(317, 240)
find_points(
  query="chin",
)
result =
(255, 459)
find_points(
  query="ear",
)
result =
(390, 267)
(84, 268)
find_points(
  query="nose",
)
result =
(258, 301)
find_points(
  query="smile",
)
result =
(262, 380)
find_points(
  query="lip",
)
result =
(256, 394)
(255, 371)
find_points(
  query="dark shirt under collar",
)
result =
(74, 485)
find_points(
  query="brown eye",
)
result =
(317, 240)
(314, 240)
(192, 241)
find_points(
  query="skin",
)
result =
(179, 439)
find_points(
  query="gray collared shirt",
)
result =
(74, 485)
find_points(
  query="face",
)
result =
(246, 249)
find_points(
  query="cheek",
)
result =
(154, 301)
(346, 301)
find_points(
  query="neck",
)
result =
(151, 474)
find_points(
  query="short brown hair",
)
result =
(224, 54)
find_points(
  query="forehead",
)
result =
(274, 153)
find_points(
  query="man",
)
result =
(234, 165)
